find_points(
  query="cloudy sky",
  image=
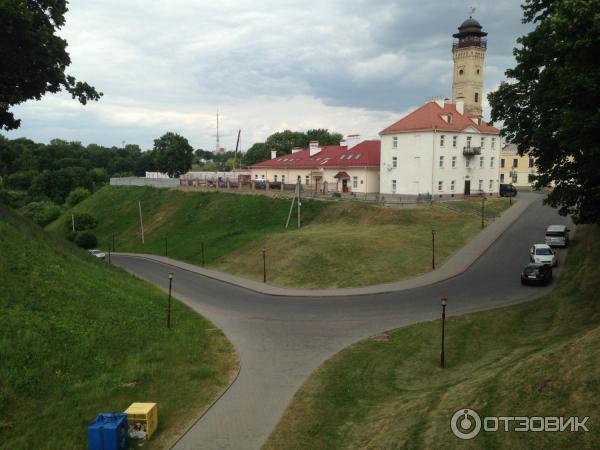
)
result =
(353, 66)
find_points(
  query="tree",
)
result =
(83, 222)
(41, 213)
(34, 57)
(77, 195)
(86, 239)
(173, 154)
(550, 105)
(255, 154)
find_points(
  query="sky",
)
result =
(352, 66)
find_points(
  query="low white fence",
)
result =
(140, 181)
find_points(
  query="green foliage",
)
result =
(86, 239)
(77, 195)
(34, 57)
(284, 141)
(41, 213)
(14, 199)
(83, 221)
(78, 337)
(172, 154)
(20, 181)
(550, 107)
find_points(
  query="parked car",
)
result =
(536, 273)
(543, 254)
(508, 190)
(97, 253)
(557, 235)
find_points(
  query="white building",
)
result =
(444, 148)
(440, 150)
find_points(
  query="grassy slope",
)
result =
(341, 244)
(79, 337)
(535, 359)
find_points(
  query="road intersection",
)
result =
(282, 338)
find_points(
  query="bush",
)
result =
(77, 196)
(83, 222)
(41, 213)
(86, 239)
(14, 199)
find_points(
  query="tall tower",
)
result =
(468, 52)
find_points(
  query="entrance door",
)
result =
(467, 187)
(344, 185)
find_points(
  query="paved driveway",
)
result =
(281, 340)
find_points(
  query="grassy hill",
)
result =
(341, 244)
(79, 337)
(535, 359)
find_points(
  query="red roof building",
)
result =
(346, 168)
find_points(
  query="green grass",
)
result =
(492, 208)
(340, 244)
(79, 337)
(535, 359)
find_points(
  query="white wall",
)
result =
(418, 170)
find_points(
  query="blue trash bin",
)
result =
(108, 431)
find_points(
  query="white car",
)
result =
(543, 254)
(97, 253)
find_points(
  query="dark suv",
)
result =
(536, 273)
(507, 190)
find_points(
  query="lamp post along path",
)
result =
(444, 301)
(169, 305)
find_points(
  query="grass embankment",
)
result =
(341, 244)
(79, 337)
(535, 359)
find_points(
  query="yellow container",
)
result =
(142, 418)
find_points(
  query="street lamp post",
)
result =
(432, 249)
(482, 211)
(444, 301)
(169, 306)
(264, 254)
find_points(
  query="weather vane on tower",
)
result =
(472, 11)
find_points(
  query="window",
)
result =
(480, 185)
(530, 162)
(440, 185)
(467, 163)
(452, 185)
(476, 96)
(395, 142)
(298, 178)
(394, 162)
(256, 176)
(454, 141)
(307, 180)
(342, 157)
(441, 162)
(442, 139)
(283, 178)
(502, 163)
(514, 177)
(477, 71)
(274, 177)
(491, 185)
(482, 142)
(262, 177)
(501, 178)
(354, 182)
(460, 72)
(481, 158)
(493, 142)
(492, 162)
(454, 162)
(357, 156)
(393, 186)
(515, 163)
(468, 141)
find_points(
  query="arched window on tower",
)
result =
(476, 96)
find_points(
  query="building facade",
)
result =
(442, 151)
(515, 169)
(346, 168)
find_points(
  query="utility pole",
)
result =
(291, 209)
(299, 203)
(169, 305)
(141, 221)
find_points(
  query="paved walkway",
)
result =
(454, 265)
(281, 340)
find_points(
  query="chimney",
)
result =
(296, 149)
(439, 101)
(460, 105)
(314, 148)
(352, 140)
(273, 154)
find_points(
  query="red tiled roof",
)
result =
(342, 175)
(429, 117)
(365, 154)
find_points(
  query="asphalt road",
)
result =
(281, 340)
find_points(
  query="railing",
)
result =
(464, 43)
(471, 151)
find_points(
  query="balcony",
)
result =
(471, 151)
